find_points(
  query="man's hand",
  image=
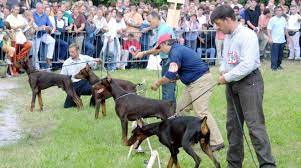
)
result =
(139, 54)
(98, 60)
(146, 29)
(270, 40)
(155, 85)
(221, 80)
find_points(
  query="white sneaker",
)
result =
(290, 58)
(8, 75)
(298, 58)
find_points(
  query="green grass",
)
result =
(58, 137)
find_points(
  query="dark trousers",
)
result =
(277, 55)
(246, 95)
(168, 90)
(81, 87)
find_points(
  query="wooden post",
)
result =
(173, 15)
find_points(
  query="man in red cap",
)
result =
(188, 66)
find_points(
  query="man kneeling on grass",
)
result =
(71, 67)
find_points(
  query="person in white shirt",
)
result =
(111, 43)
(51, 17)
(277, 32)
(201, 17)
(99, 21)
(293, 27)
(71, 67)
(121, 29)
(22, 46)
(61, 46)
(244, 89)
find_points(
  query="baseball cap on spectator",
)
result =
(162, 39)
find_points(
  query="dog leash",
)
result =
(199, 96)
(175, 115)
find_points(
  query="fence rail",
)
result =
(112, 50)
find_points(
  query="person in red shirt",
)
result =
(130, 49)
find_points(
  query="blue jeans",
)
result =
(110, 54)
(144, 48)
(277, 55)
(191, 44)
(98, 45)
(42, 56)
(89, 47)
(168, 90)
(210, 51)
(61, 49)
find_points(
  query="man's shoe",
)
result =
(217, 147)
(280, 68)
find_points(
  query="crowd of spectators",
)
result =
(43, 30)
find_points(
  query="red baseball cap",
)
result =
(162, 39)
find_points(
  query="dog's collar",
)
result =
(124, 95)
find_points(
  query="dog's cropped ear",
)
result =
(88, 67)
(137, 128)
(204, 126)
(100, 90)
(70, 76)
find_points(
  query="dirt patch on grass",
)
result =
(10, 130)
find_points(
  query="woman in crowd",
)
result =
(78, 27)
(192, 29)
(22, 46)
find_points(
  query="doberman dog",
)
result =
(131, 107)
(40, 80)
(100, 98)
(181, 131)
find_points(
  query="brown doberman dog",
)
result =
(131, 107)
(100, 98)
(181, 131)
(40, 80)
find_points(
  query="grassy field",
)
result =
(58, 137)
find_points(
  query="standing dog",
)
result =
(100, 98)
(131, 107)
(178, 132)
(40, 80)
